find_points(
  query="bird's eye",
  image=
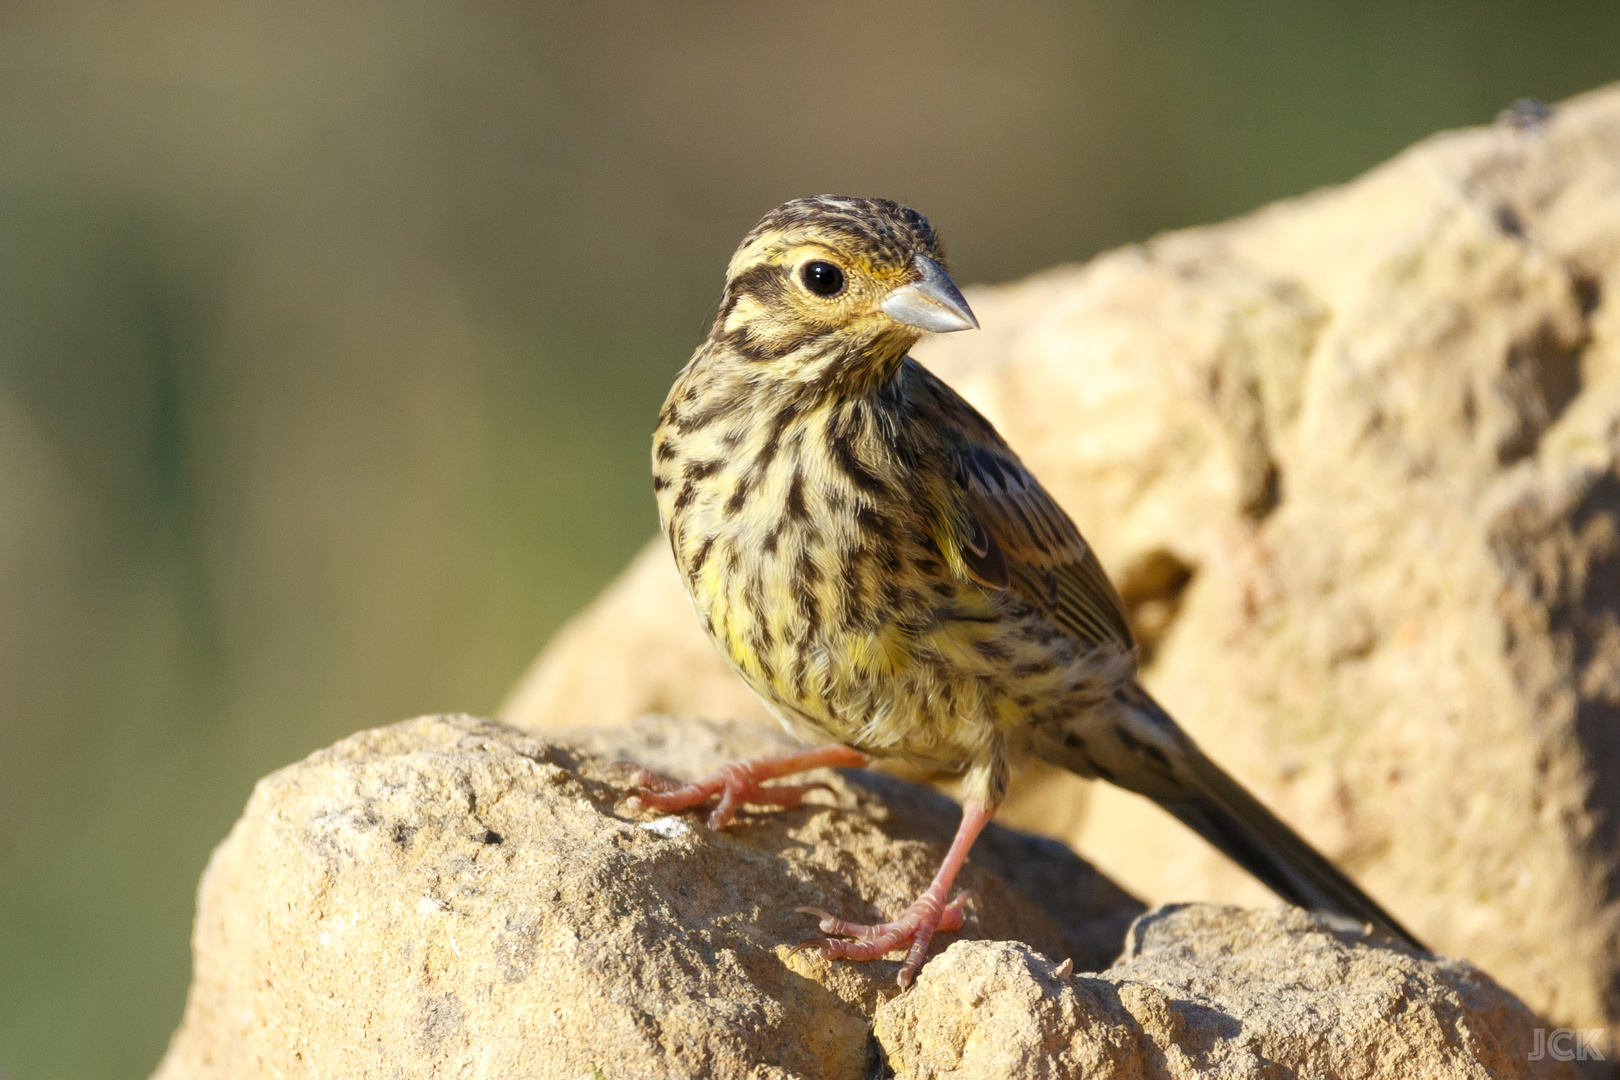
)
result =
(822, 278)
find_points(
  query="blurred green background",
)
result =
(331, 336)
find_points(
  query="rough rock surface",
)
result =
(1209, 992)
(448, 897)
(1353, 460)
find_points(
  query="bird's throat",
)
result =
(859, 367)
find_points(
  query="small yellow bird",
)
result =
(881, 569)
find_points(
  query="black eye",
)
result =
(822, 278)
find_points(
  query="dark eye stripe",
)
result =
(762, 281)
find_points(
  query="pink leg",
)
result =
(919, 922)
(742, 782)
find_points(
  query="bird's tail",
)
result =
(1222, 811)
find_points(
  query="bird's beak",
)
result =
(932, 302)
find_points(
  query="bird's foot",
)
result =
(915, 928)
(740, 783)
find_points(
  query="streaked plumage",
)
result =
(879, 566)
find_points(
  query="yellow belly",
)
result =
(931, 688)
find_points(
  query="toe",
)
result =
(832, 924)
(955, 913)
(671, 800)
(648, 780)
(914, 931)
(722, 814)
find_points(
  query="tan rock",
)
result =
(448, 897)
(1218, 993)
(1353, 462)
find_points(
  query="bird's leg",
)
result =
(917, 924)
(742, 782)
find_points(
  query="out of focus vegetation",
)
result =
(331, 335)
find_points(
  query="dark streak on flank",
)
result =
(806, 575)
(794, 507)
(853, 615)
(699, 557)
(751, 597)
(739, 494)
(801, 665)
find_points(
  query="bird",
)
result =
(877, 564)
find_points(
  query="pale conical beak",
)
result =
(932, 302)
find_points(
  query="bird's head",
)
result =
(831, 292)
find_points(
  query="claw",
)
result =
(812, 943)
(913, 930)
(648, 783)
(650, 780)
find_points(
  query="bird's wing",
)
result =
(1013, 535)
(1022, 540)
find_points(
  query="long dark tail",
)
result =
(1179, 777)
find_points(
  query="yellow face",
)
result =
(835, 291)
(791, 288)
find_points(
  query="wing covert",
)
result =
(1022, 540)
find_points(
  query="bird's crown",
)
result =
(879, 231)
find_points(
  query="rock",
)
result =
(1211, 992)
(449, 897)
(1352, 460)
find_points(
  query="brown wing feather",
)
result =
(1010, 532)
(1043, 557)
